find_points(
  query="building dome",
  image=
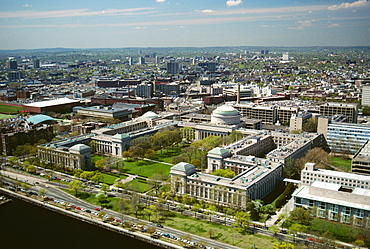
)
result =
(149, 115)
(80, 148)
(225, 115)
(40, 118)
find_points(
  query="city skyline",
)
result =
(166, 23)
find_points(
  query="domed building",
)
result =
(225, 115)
(149, 115)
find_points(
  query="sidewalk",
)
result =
(289, 206)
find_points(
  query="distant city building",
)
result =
(286, 56)
(349, 110)
(366, 95)
(141, 61)
(173, 68)
(11, 64)
(264, 52)
(144, 90)
(15, 75)
(36, 63)
(168, 89)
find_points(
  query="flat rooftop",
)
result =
(52, 102)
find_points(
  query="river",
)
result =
(24, 225)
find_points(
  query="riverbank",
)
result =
(92, 221)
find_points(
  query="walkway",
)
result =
(289, 206)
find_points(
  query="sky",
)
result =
(34, 24)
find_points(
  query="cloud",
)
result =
(357, 4)
(207, 11)
(73, 13)
(297, 28)
(181, 27)
(139, 27)
(160, 1)
(233, 2)
(305, 23)
(334, 25)
(265, 26)
(26, 5)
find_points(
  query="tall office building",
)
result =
(286, 56)
(11, 64)
(144, 90)
(141, 60)
(36, 63)
(173, 67)
(366, 95)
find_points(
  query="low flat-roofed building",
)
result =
(61, 105)
(310, 174)
(361, 160)
(106, 112)
(333, 201)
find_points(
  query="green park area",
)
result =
(5, 116)
(146, 168)
(4, 108)
(221, 233)
(343, 163)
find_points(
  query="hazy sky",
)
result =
(182, 23)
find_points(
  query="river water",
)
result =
(24, 225)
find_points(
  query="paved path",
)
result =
(289, 206)
(155, 161)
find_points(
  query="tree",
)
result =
(42, 192)
(135, 203)
(150, 210)
(228, 173)
(283, 245)
(104, 187)
(100, 164)
(315, 155)
(31, 169)
(76, 186)
(310, 125)
(274, 229)
(87, 175)
(102, 198)
(242, 221)
(301, 216)
(97, 177)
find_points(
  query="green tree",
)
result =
(283, 245)
(104, 187)
(76, 186)
(42, 192)
(228, 173)
(242, 221)
(150, 211)
(102, 198)
(97, 177)
(301, 216)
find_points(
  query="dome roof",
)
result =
(149, 114)
(121, 136)
(218, 151)
(186, 168)
(79, 147)
(39, 119)
(226, 109)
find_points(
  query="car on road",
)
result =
(158, 225)
(97, 209)
(78, 208)
(88, 211)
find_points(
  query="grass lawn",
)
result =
(166, 156)
(109, 179)
(146, 168)
(95, 158)
(342, 163)
(221, 233)
(342, 232)
(5, 116)
(137, 185)
(10, 108)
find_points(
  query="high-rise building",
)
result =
(173, 67)
(366, 95)
(141, 60)
(286, 56)
(144, 90)
(36, 63)
(11, 64)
